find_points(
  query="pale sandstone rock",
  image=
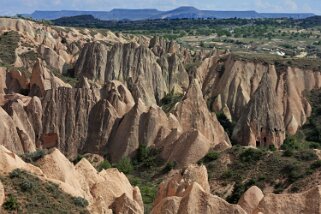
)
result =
(140, 126)
(234, 82)
(196, 200)
(100, 189)
(178, 181)
(101, 121)
(66, 113)
(188, 191)
(2, 195)
(125, 205)
(261, 126)
(43, 80)
(135, 66)
(94, 159)
(52, 58)
(297, 203)
(57, 167)
(126, 138)
(3, 75)
(119, 96)
(189, 148)
(10, 161)
(9, 136)
(24, 128)
(192, 113)
(251, 199)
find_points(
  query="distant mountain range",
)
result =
(178, 13)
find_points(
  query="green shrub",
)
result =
(251, 155)
(169, 166)
(104, 165)
(306, 155)
(290, 143)
(125, 165)
(169, 101)
(11, 203)
(239, 190)
(78, 158)
(272, 148)
(288, 153)
(15, 173)
(211, 156)
(26, 186)
(147, 157)
(34, 156)
(316, 164)
(227, 174)
(80, 202)
(294, 171)
(227, 125)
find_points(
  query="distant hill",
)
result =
(178, 13)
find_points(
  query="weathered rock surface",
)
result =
(101, 121)
(251, 199)
(183, 194)
(24, 128)
(189, 148)
(261, 126)
(192, 113)
(178, 181)
(119, 96)
(102, 190)
(236, 87)
(134, 65)
(10, 161)
(3, 75)
(66, 113)
(297, 203)
(43, 80)
(9, 136)
(2, 195)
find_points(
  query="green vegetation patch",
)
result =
(169, 101)
(263, 168)
(8, 45)
(25, 193)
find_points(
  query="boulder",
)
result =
(251, 199)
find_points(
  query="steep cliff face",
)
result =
(43, 80)
(22, 118)
(261, 123)
(134, 65)
(265, 100)
(193, 113)
(66, 113)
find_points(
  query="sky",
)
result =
(12, 7)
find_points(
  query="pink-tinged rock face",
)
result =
(192, 113)
(49, 141)
(188, 192)
(265, 101)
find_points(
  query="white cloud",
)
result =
(291, 5)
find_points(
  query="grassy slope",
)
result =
(272, 171)
(8, 44)
(33, 195)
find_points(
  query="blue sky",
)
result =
(10, 7)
